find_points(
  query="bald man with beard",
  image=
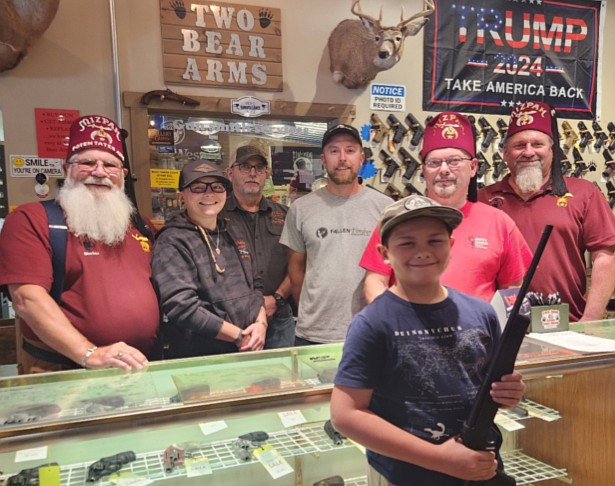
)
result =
(107, 314)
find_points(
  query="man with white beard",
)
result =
(106, 313)
(535, 194)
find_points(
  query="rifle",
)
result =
(416, 128)
(129, 189)
(167, 94)
(476, 431)
(398, 128)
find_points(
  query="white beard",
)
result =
(101, 217)
(529, 178)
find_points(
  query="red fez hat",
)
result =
(448, 130)
(95, 132)
(535, 115)
(530, 115)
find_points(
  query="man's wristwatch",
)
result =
(279, 300)
(239, 338)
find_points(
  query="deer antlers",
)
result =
(356, 9)
(429, 8)
(428, 5)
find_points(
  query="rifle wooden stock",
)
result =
(167, 94)
(476, 432)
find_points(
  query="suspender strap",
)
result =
(58, 236)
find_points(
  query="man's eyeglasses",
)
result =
(451, 162)
(201, 187)
(246, 168)
(90, 165)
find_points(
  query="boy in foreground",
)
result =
(414, 359)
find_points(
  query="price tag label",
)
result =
(547, 417)
(212, 427)
(273, 462)
(507, 423)
(291, 417)
(34, 454)
(49, 476)
(197, 467)
(129, 479)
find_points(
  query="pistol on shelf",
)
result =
(410, 162)
(416, 128)
(390, 162)
(27, 477)
(570, 136)
(109, 465)
(610, 188)
(502, 130)
(398, 128)
(599, 136)
(584, 135)
(378, 127)
(334, 435)
(499, 166)
(483, 165)
(488, 133)
(579, 164)
(609, 164)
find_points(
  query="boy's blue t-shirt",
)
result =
(424, 364)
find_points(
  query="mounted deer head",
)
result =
(360, 49)
(22, 22)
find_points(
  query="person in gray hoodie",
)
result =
(203, 274)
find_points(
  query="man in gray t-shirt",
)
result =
(326, 232)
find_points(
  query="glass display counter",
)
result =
(259, 418)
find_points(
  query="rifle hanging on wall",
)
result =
(129, 188)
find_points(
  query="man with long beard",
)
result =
(535, 194)
(326, 232)
(106, 314)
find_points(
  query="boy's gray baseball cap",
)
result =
(415, 206)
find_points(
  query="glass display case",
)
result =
(261, 418)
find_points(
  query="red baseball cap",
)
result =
(95, 132)
(448, 130)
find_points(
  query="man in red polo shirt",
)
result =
(106, 314)
(535, 194)
(489, 252)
